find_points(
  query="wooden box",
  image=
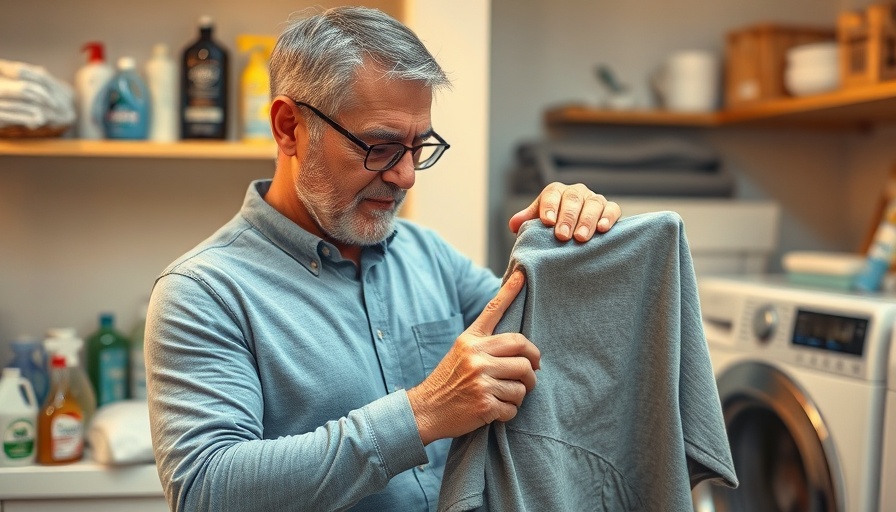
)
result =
(867, 42)
(756, 56)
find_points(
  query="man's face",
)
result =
(352, 205)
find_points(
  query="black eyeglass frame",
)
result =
(369, 147)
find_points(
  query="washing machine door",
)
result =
(783, 455)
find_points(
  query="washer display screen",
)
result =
(830, 332)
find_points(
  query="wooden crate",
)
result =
(867, 42)
(756, 56)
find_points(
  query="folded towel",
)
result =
(32, 98)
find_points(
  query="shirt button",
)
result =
(421, 468)
(314, 264)
(325, 251)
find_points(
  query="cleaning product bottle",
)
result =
(138, 366)
(204, 87)
(108, 354)
(60, 424)
(31, 360)
(65, 342)
(90, 82)
(161, 78)
(881, 253)
(18, 415)
(255, 88)
(126, 107)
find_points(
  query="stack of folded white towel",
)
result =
(31, 98)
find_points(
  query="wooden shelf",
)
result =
(853, 108)
(138, 149)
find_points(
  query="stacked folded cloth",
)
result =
(32, 101)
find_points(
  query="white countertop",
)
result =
(80, 479)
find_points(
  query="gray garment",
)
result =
(625, 414)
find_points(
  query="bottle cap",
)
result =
(57, 361)
(160, 50)
(205, 21)
(95, 51)
(126, 63)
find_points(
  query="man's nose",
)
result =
(402, 174)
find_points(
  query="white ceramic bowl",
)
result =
(808, 80)
(823, 54)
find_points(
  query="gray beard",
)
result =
(343, 223)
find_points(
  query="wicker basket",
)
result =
(22, 132)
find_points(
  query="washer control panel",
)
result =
(838, 332)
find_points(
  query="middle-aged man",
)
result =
(316, 352)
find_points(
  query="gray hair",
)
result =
(317, 57)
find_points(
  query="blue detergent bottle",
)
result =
(126, 104)
(29, 357)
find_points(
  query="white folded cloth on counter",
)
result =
(31, 97)
(119, 433)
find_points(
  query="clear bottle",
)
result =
(65, 342)
(204, 87)
(138, 365)
(161, 78)
(108, 362)
(18, 417)
(60, 425)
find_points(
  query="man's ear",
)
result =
(285, 119)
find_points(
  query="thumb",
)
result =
(530, 212)
(485, 324)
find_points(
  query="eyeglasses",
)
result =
(382, 157)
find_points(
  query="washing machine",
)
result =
(801, 374)
(888, 467)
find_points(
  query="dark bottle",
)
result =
(204, 87)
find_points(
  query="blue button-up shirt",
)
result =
(277, 369)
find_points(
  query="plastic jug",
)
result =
(18, 418)
(29, 357)
(126, 104)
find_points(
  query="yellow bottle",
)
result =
(255, 88)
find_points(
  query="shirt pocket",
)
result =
(434, 339)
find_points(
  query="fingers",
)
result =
(574, 211)
(494, 310)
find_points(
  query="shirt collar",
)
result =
(308, 249)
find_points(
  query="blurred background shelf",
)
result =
(850, 108)
(138, 149)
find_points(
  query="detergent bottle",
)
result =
(204, 87)
(65, 342)
(60, 424)
(255, 88)
(126, 104)
(18, 417)
(90, 82)
(161, 78)
(31, 360)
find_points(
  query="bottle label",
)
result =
(18, 439)
(204, 114)
(113, 383)
(67, 436)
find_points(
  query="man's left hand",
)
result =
(573, 210)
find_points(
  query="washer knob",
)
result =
(765, 322)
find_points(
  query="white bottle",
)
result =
(18, 419)
(90, 82)
(161, 78)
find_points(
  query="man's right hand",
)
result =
(483, 378)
